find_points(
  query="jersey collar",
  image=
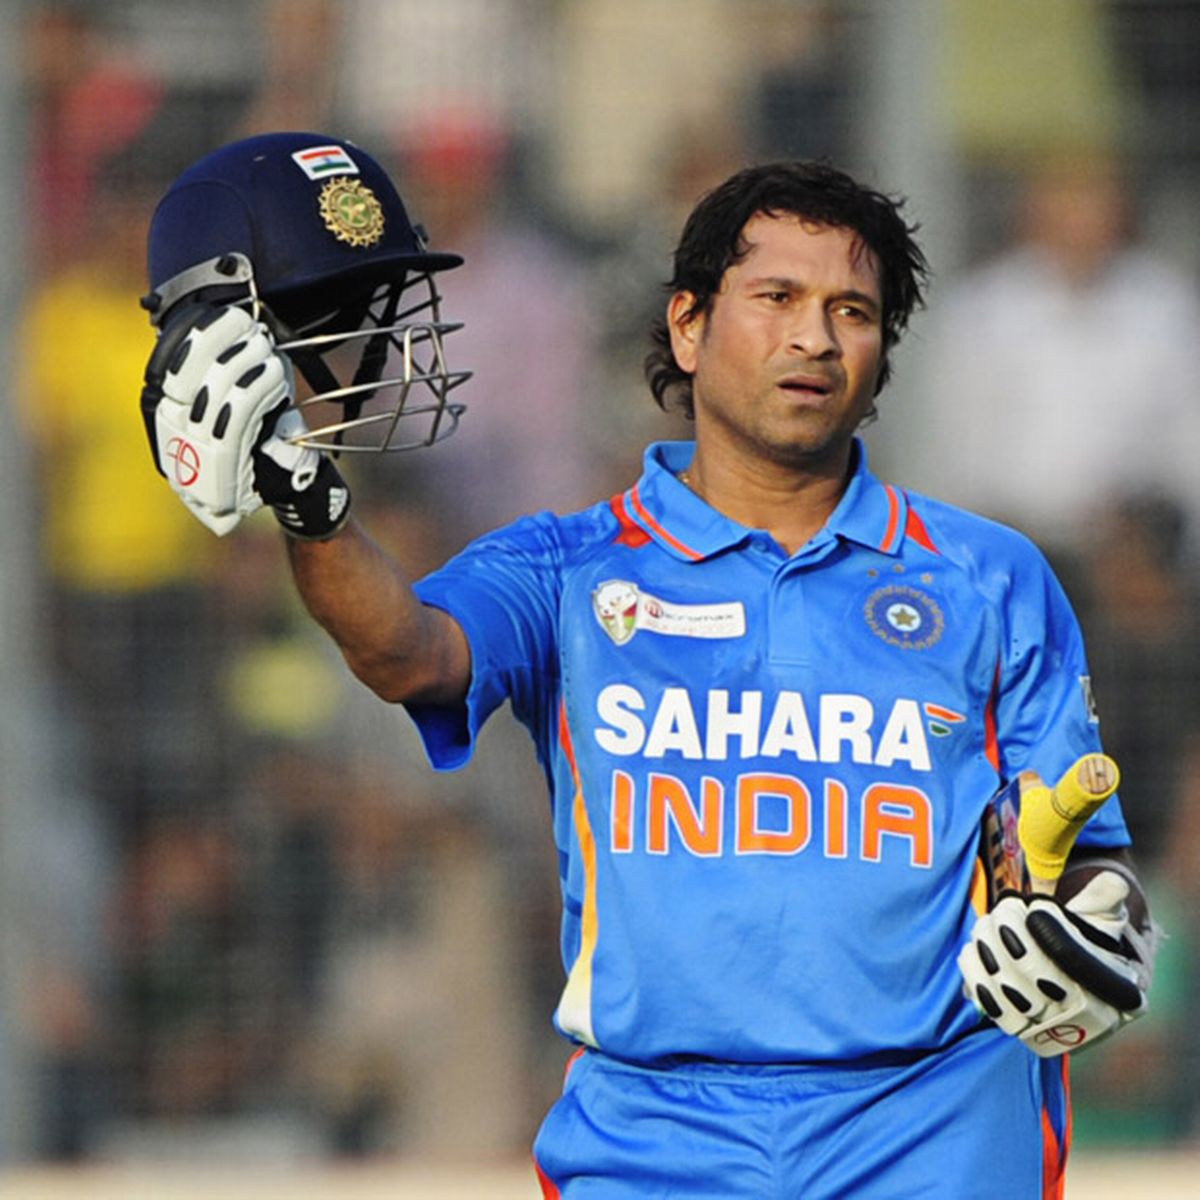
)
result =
(870, 512)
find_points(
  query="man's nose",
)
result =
(813, 334)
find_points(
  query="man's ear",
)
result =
(686, 327)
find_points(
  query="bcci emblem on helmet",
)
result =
(351, 212)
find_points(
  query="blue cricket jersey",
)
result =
(767, 773)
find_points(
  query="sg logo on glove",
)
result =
(186, 460)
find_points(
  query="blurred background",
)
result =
(240, 921)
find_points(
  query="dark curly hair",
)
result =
(712, 241)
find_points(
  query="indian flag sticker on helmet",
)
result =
(319, 162)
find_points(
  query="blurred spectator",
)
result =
(1138, 1090)
(65, 877)
(1180, 872)
(528, 338)
(798, 99)
(88, 99)
(1064, 372)
(628, 275)
(126, 606)
(422, 929)
(406, 61)
(296, 89)
(187, 1011)
(1140, 609)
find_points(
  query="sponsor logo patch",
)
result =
(622, 609)
(904, 616)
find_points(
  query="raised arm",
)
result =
(399, 647)
(216, 404)
(264, 257)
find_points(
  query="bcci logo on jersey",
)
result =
(904, 616)
(622, 609)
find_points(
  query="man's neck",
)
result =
(790, 503)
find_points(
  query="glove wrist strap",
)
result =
(320, 510)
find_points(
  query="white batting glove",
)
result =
(1060, 977)
(216, 409)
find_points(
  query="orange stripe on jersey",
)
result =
(572, 1061)
(575, 1007)
(631, 533)
(1069, 1131)
(979, 888)
(549, 1188)
(914, 528)
(1053, 1175)
(991, 738)
(644, 514)
(1055, 1150)
(889, 537)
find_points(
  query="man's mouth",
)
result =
(806, 385)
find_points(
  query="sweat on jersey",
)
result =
(767, 773)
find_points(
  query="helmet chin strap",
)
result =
(311, 364)
(374, 356)
(317, 374)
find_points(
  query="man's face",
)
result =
(785, 362)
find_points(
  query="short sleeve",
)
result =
(1045, 715)
(503, 591)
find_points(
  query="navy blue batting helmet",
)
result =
(309, 231)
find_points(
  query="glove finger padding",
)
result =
(1089, 938)
(1057, 977)
(170, 338)
(222, 387)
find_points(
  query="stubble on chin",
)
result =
(809, 442)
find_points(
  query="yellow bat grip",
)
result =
(1051, 818)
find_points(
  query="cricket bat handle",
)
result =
(1051, 818)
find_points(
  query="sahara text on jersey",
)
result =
(771, 812)
(845, 723)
